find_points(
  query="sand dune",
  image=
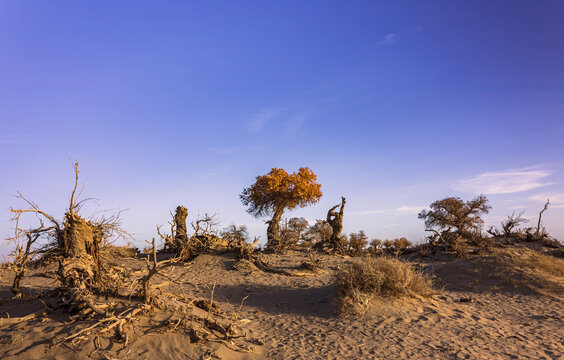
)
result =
(504, 314)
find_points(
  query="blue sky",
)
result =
(393, 104)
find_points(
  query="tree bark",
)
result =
(335, 219)
(273, 230)
(181, 236)
(78, 238)
(540, 216)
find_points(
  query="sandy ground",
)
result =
(295, 317)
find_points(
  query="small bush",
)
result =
(313, 264)
(360, 281)
(357, 242)
(396, 246)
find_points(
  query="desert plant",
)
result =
(291, 232)
(401, 243)
(313, 263)
(277, 191)
(297, 226)
(511, 224)
(21, 257)
(375, 246)
(361, 280)
(510, 227)
(235, 235)
(318, 233)
(453, 212)
(344, 242)
(357, 242)
(477, 238)
(388, 245)
(396, 246)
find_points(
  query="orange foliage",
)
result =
(278, 190)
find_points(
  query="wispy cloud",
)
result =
(220, 150)
(261, 119)
(388, 39)
(504, 182)
(556, 199)
(295, 125)
(406, 209)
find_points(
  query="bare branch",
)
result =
(540, 215)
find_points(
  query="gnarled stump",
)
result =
(78, 236)
(181, 236)
(335, 220)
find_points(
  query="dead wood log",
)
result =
(18, 320)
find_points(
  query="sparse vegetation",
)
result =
(364, 279)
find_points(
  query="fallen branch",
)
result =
(17, 320)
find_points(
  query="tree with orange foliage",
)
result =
(277, 191)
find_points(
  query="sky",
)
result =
(392, 104)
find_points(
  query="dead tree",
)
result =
(335, 220)
(153, 268)
(76, 239)
(21, 258)
(181, 236)
(186, 246)
(537, 234)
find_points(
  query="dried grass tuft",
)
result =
(112, 251)
(362, 280)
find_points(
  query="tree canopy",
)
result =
(279, 190)
(453, 212)
(276, 191)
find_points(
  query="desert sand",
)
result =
(484, 307)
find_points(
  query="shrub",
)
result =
(235, 235)
(375, 246)
(360, 281)
(397, 245)
(357, 242)
(319, 232)
(401, 243)
(344, 242)
(113, 251)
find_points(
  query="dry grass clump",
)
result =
(540, 263)
(313, 265)
(360, 281)
(544, 274)
(113, 251)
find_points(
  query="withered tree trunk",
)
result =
(80, 246)
(335, 220)
(16, 283)
(78, 236)
(273, 230)
(181, 236)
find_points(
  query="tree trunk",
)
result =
(335, 219)
(181, 236)
(540, 216)
(16, 284)
(273, 230)
(80, 266)
(78, 238)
